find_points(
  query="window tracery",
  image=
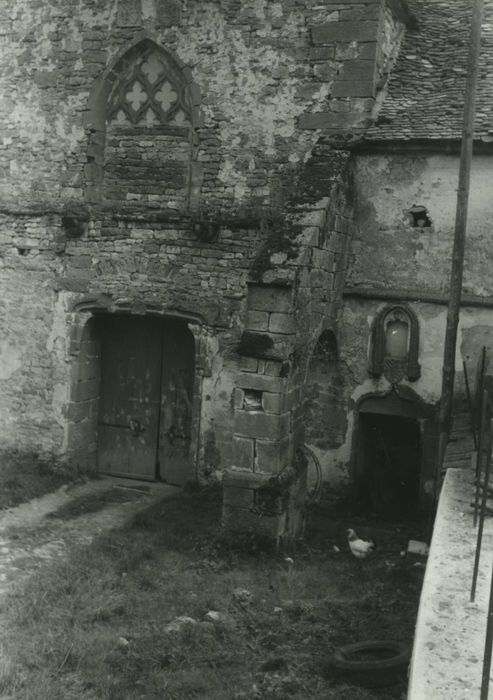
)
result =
(150, 93)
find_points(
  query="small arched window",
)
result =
(395, 345)
(396, 334)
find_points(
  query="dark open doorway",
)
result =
(389, 464)
(146, 394)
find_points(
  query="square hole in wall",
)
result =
(252, 400)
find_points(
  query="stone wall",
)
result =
(175, 158)
(388, 187)
(393, 262)
(32, 362)
(258, 69)
(301, 277)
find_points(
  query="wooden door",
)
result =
(131, 359)
(175, 460)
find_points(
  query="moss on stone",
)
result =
(281, 235)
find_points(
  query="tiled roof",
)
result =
(426, 87)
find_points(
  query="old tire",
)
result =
(373, 664)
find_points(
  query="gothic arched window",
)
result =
(142, 126)
(150, 92)
(395, 345)
(149, 137)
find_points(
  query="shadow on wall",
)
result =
(325, 401)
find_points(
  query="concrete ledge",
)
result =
(450, 631)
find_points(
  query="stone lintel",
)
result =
(257, 424)
(261, 382)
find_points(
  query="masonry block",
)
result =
(351, 88)
(85, 390)
(262, 382)
(243, 452)
(282, 323)
(273, 403)
(239, 397)
(257, 320)
(249, 364)
(273, 455)
(81, 434)
(344, 31)
(255, 424)
(78, 411)
(268, 298)
(322, 259)
(273, 368)
(319, 278)
(87, 370)
(358, 70)
(243, 479)
(368, 51)
(91, 349)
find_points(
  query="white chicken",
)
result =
(359, 548)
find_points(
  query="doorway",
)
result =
(146, 397)
(388, 464)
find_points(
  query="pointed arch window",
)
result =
(394, 346)
(151, 92)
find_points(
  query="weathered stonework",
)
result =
(169, 160)
(392, 263)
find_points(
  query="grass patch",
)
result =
(95, 626)
(25, 477)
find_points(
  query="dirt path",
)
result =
(46, 528)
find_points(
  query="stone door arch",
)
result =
(393, 453)
(136, 397)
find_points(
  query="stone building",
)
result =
(406, 166)
(213, 213)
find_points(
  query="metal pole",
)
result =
(479, 453)
(482, 513)
(485, 683)
(448, 372)
(480, 383)
(470, 406)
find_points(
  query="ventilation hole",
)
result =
(419, 217)
(252, 400)
(23, 251)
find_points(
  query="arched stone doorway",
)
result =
(134, 396)
(393, 456)
(145, 406)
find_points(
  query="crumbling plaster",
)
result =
(258, 56)
(55, 54)
(419, 260)
(389, 255)
(475, 329)
(258, 70)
